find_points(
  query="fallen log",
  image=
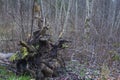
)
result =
(5, 55)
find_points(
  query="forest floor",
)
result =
(6, 74)
(75, 71)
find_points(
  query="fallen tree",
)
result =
(5, 55)
(40, 57)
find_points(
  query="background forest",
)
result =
(92, 26)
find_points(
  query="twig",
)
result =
(32, 18)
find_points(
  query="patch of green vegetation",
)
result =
(114, 55)
(19, 55)
(82, 72)
(19, 78)
(8, 75)
(116, 45)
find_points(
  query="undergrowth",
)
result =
(8, 75)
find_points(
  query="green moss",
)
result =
(19, 55)
(24, 52)
(14, 57)
(64, 46)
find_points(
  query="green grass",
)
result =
(19, 78)
(8, 75)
